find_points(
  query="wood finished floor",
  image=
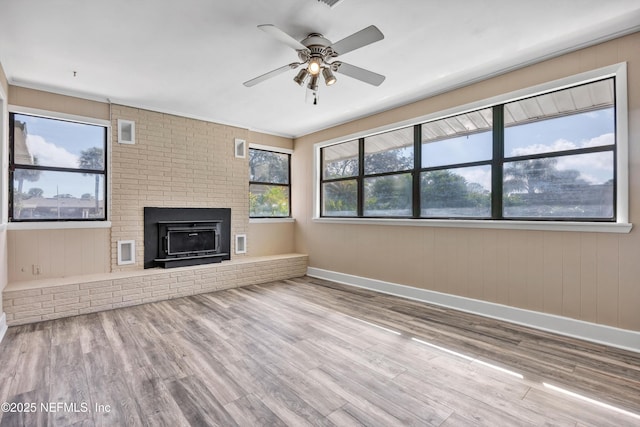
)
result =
(308, 352)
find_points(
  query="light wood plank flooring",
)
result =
(307, 352)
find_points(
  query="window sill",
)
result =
(594, 227)
(62, 225)
(269, 220)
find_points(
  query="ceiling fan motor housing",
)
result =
(318, 47)
(316, 40)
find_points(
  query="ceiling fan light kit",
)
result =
(315, 65)
(317, 54)
(301, 76)
(313, 83)
(329, 78)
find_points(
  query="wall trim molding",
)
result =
(57, 225)
(3, 325)
(601, 334)
(586, 227)
(18, 109)
(270, 148)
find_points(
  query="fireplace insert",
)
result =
(189, 238)
(176, 237)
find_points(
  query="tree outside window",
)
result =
(269, 186)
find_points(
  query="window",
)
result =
(380, 165)
(269, 184)
(455, 179)
(387, 182)
(340, 166)
(57, 169)
(559, 154)
(551, 156)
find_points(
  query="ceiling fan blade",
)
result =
(270, 74)
(281, 36)
(358, 73)
(364, 37)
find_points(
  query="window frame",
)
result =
(277, 150)
(46, 223)
(420, 169)
(620, 154)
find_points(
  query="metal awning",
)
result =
(573, 100)
(578, 99)
(462, 124)
(399, 138)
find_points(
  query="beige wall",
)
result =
(3, 81)
(3, 152)
(3, 264)
(3, 271)
(586, 276)
(43, 254)
(271, 140)
(270, 238)
(25, 97)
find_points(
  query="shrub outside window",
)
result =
(340, 198)
(269, 184)
(388, 195)
(460, 192)
(57, 168)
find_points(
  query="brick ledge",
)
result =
(35, 301)
(98, 277)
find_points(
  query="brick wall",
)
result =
(81, 294)
(175, 162)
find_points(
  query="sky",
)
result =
(594, 128)
(60, 143)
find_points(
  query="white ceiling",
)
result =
(190, 57)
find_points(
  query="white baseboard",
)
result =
(601, 334)
(3, 325)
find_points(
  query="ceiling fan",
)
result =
(317, 55)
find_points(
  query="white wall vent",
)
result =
(126, 132)
(126, 252)
(241, 243)
(240, 146)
